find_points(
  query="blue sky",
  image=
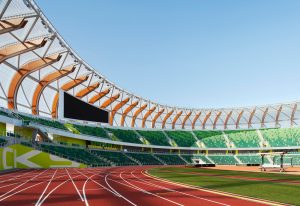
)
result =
(188, 53)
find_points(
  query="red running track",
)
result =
(105, 186)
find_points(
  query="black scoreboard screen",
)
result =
(76, 109)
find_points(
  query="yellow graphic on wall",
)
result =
(19, 156)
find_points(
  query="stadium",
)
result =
(71, 136)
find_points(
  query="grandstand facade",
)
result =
(37, 65)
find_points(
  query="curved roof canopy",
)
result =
(35, 62)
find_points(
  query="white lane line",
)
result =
(19, 182)
(116, 191)
(37, 203)
(112, 190)
(84, 191)
(12, 174)
(49, 193)
(16, 177)
(172, 190)
(19, 191)
(75, 185)
(85, 183)
(96, 189)
(147, 192)
(22, 184)
(91, 179)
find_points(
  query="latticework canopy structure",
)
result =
(36, 62)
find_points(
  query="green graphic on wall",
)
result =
(19, 156)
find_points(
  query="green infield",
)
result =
(275, 187)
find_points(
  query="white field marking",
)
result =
(116, 191)
(74, 185)
(216, 192)
(90, 178)
(93, 189)
(41, 177)
(49, 193)
(22, 184)
(19, 176)
(83, 191)
(171, 190)
(23, 181)
(28, 188)
(147, 192)
(12, 174)
(37, 203)
(111, 189)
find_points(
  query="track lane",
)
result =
(104, 186)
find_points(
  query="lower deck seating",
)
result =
(2, 141)
(75, 154)
(223, 159)
(189, 158)
(250, 159)
(289, 159)
(144, 158)
(118, 158)
(171, 159)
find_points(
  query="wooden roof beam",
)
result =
(168, 115)
(99, 96)
(156, 117)
(195, 120)
(116, 109)
(137, 112)
(45, 82)
(127, 110)
(110, 101)
(12, 25)
(185, 119)
(23, 72)
(85, 91)
(216, 119)
(227, 119)
(66, 87)
(16, 49)
(205, 120)
(175, 119)
(149, 112)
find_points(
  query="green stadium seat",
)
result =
(75, 154)
(125, 135)
(93, 131)
(211, 139)
(189, 158)
(154, 137)
(251, 159)
(48, 123)
(182, 138)
(244, 139)
(144, 158)
(282, 137)
(171, 159)
(223, 159)
(118, 158)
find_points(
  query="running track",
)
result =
(104, 187)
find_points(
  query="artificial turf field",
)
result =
(281, 188)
